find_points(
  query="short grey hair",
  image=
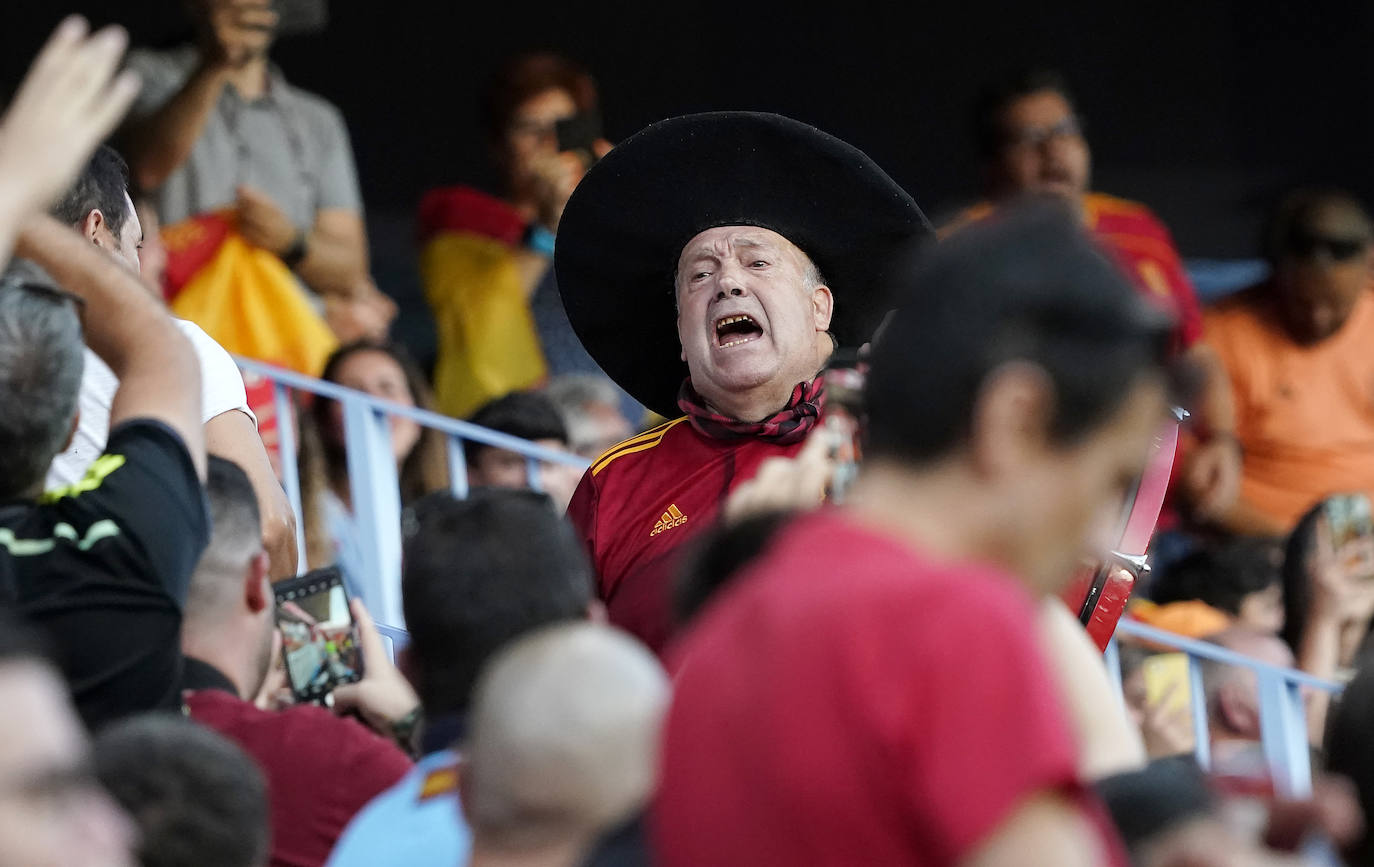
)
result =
(571, 392)
(41, 361)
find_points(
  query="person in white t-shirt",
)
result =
(98, 206)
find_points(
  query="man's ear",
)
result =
(257, 589)
(1011, 418)
(822, 307)
(1237, 707)
(92, 224)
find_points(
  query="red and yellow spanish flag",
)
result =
(243, 296)
(488, 345)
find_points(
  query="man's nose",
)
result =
(728, 284)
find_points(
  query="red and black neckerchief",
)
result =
(788, 425)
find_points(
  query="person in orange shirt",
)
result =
(1030, 142)
(1298, 350)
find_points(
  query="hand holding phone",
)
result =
(319, 635)
(383, 697)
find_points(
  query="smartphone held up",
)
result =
(319, 635)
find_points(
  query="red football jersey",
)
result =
(641, 500)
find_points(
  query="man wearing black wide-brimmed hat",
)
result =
(711, 264)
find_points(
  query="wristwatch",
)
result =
(295, 254)
(403, 730)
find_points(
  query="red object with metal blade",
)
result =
(1098, 596)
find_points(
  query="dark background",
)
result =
(1203, 110)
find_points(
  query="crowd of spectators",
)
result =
(722, 643)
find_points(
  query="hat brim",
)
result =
(625, 225)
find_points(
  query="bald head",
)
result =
(563, 740)
(1232, 690)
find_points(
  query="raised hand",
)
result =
(70, 100)
(236, 31)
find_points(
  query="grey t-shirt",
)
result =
(289, 144)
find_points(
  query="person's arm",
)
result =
(158, 144)
(1045, 831)
(70, 99)
(231, 435)
(159, 373)
(1212, 475)
(335, 248)
(1108, 743)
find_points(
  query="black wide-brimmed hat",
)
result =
(625, 226)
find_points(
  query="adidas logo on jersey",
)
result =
(671, 518)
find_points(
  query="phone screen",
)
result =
(319, 636)
(1167, 681)
(1348, 518)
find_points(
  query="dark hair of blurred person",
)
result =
(477, 574)
(715, 557)
(320, 768)
(1240, 577)
(1012, 398)
(197, 799)
(98, 204)
(382, 370)
(524, 414)
(53, 810)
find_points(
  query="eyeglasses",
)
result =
(1037, 136)
(1311, 246)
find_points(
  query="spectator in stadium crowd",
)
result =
(102, 566)
(54, 811)
(993, 466)
(320, 768)
(486, 261)
(1242, 578)
(382, 370)
(1233, 704)
(1030, 141)
(217, 125)
(196, 798)
(477, 574)
(531, 416)
(98, 206)
(590, 404)
(749, 308)
(564, 733)
(1296, 350)
(1328, 597)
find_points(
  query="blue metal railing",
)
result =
(372, 474)
(1283, 716)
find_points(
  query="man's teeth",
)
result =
(731, 320)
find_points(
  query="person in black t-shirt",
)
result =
(102, 567)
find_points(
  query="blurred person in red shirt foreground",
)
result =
(873, 689)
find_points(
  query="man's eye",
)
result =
(700, 275)
(758, 263)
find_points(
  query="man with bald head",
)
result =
(711, 264)
(1297, 351)
(1233, 707)
(563, 745)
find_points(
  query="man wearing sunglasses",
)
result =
(1297, 349)
(1030, 142)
